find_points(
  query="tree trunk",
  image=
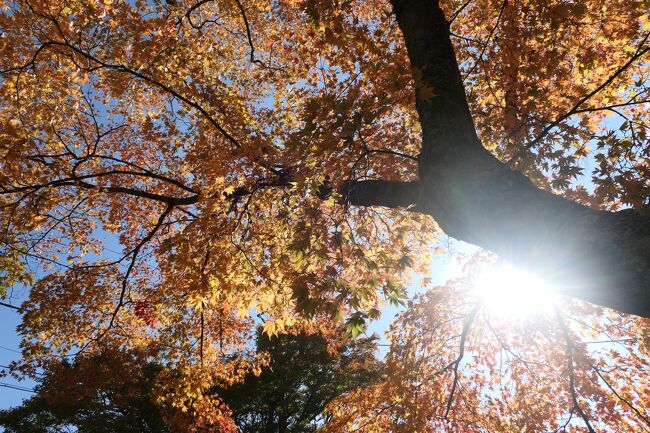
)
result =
(596, 256)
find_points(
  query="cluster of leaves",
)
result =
(13, 271)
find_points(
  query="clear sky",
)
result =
(9, 351)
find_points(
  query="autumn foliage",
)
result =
(457, 366)
(174, 173)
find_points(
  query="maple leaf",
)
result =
(426, 92)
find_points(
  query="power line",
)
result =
(10, 350)
(13, 307)
(16, 387)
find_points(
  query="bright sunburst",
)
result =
(509, 291)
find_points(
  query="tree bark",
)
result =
(600, 257)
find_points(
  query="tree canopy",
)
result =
(173, 173)
(91, 395)
(304, 373)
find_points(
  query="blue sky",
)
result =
(9, 351)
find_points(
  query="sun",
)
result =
(508, 291)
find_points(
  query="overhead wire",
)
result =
(13, 307)
(16, 387)
(9, 349)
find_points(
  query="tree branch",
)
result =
(599, 257)
(570, 347)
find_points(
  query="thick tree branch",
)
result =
(600, 257)
(382, 193)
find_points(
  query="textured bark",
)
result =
(596, 256)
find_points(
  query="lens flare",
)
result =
(508, 291)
